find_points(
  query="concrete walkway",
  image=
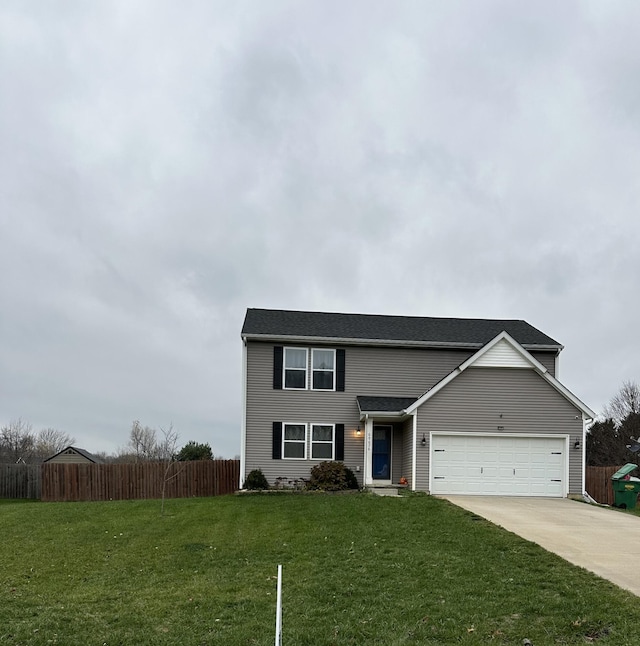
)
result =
(604, 541)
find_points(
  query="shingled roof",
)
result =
(368, 404)
(286, 324)
(92, 458)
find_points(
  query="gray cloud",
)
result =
(164, 167)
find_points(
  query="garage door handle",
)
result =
(552, 480)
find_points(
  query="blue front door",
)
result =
(381, 457)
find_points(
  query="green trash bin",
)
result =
(625, 488)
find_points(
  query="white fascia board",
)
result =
(430, 393)
(399, 415)
(284, 338)
(567, 394)
(504, 336)
(535, 364)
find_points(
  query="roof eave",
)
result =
(398, 415)
(284, 338)
(535, 364)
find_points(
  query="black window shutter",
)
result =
(340, 442)
(277, 367)
(276, 450)
(340, 370)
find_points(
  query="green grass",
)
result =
(358, 569)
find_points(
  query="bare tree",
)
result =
(50, 441)
(144, 446)
(168, 447)
(624, 403)
(143, 443)
(124, 455)
(17, 442)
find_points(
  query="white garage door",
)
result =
(500, 466)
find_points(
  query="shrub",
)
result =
(256, 480)
(194, 451)
(332, 476)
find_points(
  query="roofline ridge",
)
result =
(401, 316)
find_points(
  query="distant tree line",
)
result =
(148, 444)
(612, 440)
(19, 443)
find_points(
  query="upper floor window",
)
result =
(323, 366)
(295, 368)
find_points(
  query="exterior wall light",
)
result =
(358, 431)
(423, 441)
(576, 444)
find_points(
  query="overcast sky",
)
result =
(165, 165)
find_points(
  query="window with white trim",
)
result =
(323, 369)
(294, 441)
(322, 441)
(295, 368)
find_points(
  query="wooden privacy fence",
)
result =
(74, 482)
(598, 483)
(20, 481)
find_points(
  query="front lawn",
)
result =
(358, 569)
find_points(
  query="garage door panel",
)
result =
(494, 465)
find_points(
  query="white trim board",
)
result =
(511, 358)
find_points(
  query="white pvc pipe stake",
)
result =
(279, 609)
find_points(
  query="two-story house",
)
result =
(469, 406)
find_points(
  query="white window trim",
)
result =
(327, 390)
(284, 367)
(305, 441)
(333, 442)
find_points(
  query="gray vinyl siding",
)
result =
(548, 360)
(266, 405)
(474, 401)
(398, 372)
(369, 371)
(70, 458)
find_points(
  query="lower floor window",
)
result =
(307, 441)
(294, 441)
(322, 441)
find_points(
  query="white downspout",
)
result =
(414, 456)
(243, 428)
(583, 447)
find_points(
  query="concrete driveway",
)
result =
(598, 539)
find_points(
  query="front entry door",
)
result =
(381, 454)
